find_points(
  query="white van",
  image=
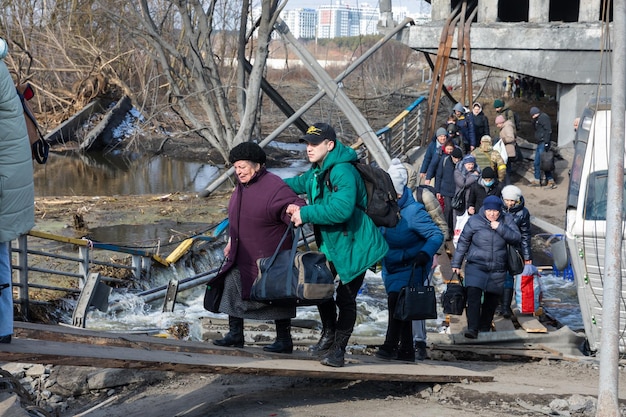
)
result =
(585, 224)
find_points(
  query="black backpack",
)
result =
(518, 123)
(382, 199)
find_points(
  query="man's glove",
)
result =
(422, 258)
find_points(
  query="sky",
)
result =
(412, 5)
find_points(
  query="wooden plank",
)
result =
(59, 353)
(499, 351)
(529, 323)
(148, 343)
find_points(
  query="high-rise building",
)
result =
(302, 22)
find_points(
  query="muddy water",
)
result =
(97, 175)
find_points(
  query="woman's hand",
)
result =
(292, 208)
(456, 271)
(227, 249)
(471, 210)
(296, 219)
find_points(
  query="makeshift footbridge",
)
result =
(66, 345)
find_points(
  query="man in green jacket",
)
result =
(343, 232)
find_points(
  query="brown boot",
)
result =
(551, 184)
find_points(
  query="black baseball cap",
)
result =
(318, 132)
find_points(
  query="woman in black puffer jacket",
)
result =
(483, 245)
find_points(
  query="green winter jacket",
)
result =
(346, 235)
(17, 191)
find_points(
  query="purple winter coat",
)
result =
(256, 222)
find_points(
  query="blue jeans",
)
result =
(6, 296)
(540, 149)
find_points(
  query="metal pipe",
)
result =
(230, 171)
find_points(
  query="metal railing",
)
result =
(140, 265)
(405, 131)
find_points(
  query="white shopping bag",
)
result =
(458, 227)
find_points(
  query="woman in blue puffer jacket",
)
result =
(412, 245)
(483, 245)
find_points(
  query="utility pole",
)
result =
(608, 395)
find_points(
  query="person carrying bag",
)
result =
(257, 220)
(412, 245)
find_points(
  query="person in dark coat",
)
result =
(487, 185)
(466, 174)
(412, 244)
(481, 122)
(432, 152)
(465, 122)
(445, 186)
(543, 133)
(482, 245)
(257, 220)
(514, 206)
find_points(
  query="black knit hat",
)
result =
(247, 151)
(488, 172)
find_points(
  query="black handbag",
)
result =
(416, 302)
(458, 201)
(213, 295)
(454, 298)
(514, 260)
(293, 278)
(546, 161)
(214, 291)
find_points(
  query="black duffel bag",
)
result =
(293, 278)
(454, 298)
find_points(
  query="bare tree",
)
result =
(188, 39)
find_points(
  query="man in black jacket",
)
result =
(543, 131)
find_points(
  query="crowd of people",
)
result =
(462, 159)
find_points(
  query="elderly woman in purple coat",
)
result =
(257, 220)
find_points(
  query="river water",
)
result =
(81, 175)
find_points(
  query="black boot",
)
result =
(335, 355)
(420, 351)
(234, 337)
(406, 351)
(326, 341)
(328, 316)
(507, 298)
(5, 339)
(389, 348)
(387, 352)
(283, 342)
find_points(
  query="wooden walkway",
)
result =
(59, 345)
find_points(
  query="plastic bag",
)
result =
(460, 224)
(528, 290)
(501, 148)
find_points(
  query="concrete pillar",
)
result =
(440, 10)
(589, 11)
(487, 11)
(572, 100)
(538, 11)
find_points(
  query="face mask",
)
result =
(489, 183)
